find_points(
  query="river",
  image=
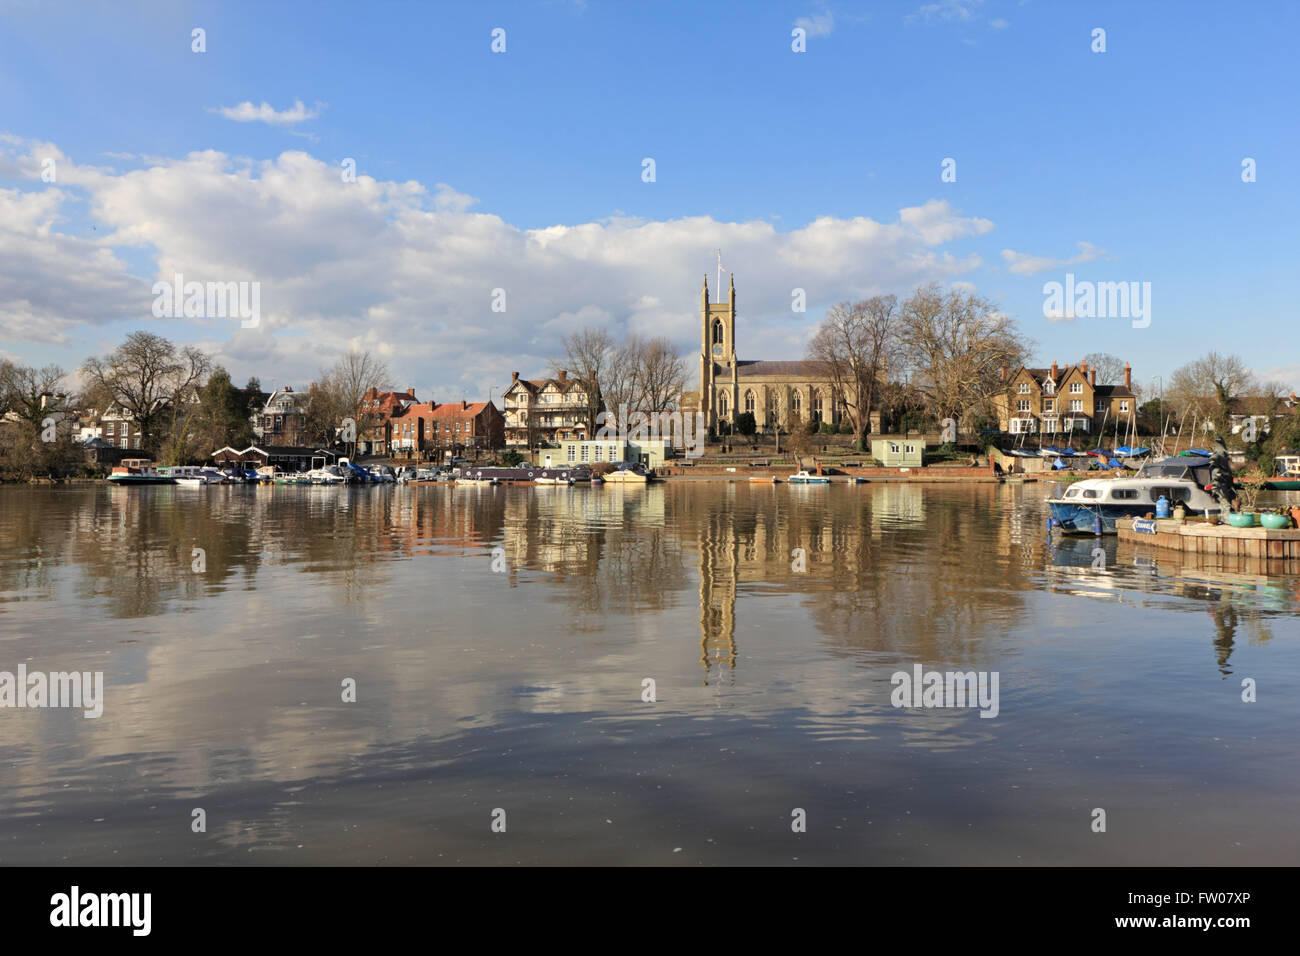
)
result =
(499, 644)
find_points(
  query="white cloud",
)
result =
(246, 112)
(1288, 375)
(409, 272)
(1024, 264)
(945, 11)
(817, 25)
(999, 24)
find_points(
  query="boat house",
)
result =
(283, 457)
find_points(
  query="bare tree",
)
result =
(1204, 388)
(339, 393)
(587, 356)
(854, 348)
(146, 376)
(33, 393)
(663, 375)
(8, 392)
(1110, 369)
(621, 380)
(956, 343)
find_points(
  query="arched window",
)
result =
(796, 403)
(749, 402)
(717, 331)
(722, 404)
(817, 406)
(773, 408)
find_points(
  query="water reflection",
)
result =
(776, 614)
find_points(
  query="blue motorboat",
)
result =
(1099, 502)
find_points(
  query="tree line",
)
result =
(182, 404)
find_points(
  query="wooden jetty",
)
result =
(1222, 540)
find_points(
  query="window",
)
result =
(817, 407)
(1049, 387)
(1022, 405)
(613, 452)
(1124, 493)
(1076, 388)
(1123, 406)
(1023, 389)
(1049, 405)
(796, 403)
(1076, 405)
(571, 452)
(600, 453)
(717, 332)
(722, 404)
(749, 402)
(910, 449)
(586, 452)
(1049, 425)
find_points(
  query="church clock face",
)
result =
(717, 349)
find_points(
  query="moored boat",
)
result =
(626, 475)
(138, 471)
(527, 474)
(807, 478)
(1287, 473)
(1098, 502)
(192, 476)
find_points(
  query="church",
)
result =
(772, 391)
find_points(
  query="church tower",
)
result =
(718, 367)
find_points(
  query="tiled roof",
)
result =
(1114, 391)
(798, 369)
(444, 410)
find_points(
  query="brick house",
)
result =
(374, 414)
(423, 430)
(1062, 400)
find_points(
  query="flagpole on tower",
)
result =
(719, 299)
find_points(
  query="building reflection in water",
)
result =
(939, 573)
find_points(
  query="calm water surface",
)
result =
(520, 689)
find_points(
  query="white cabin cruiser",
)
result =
(1179, 480)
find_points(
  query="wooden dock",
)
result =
(1213, 540)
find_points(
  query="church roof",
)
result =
(799, 369)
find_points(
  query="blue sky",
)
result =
(522, 171)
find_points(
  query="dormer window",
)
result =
(1049, 387)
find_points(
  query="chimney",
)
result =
(1004, 373)
(564, 375)
(514, 376)
(1128, 376)
(1083, 365)
(464, 405)
(1092, 377)
(410, 390)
